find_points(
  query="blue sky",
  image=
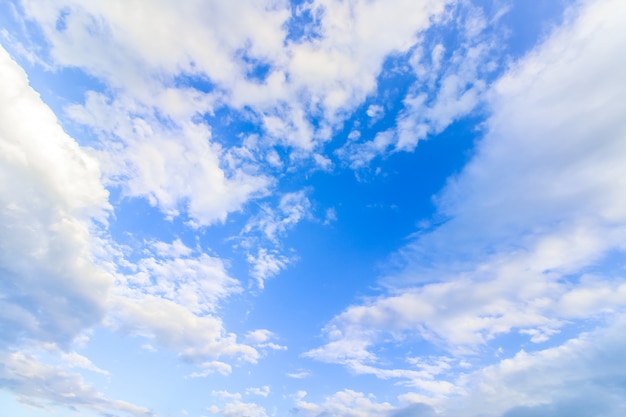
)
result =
(313, 208)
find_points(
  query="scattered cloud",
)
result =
(528, 220)
(174, 164)
(214, 113)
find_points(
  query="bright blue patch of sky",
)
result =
(530, 22)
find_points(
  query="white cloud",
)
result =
(259, 336)
(171, 296)
(301, 374)
(239, 409)
(48, 216)
(266, 264)
(50, 200)
(261, 339)
(346, 403)
(46, 386)
(360, 155)
(196, 337)
(177, 273)
(174, 165)
(532, 215)
(263, 391)
(582, 376)
(447, 88)
(326, 75)
(209, 368)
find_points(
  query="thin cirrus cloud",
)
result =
(163, 169)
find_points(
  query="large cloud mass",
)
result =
(50, 196)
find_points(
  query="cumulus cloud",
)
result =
(323, 76)
(266, 264)
(274, 223)
(532, 218)
(300, 374)
(174, 165)
(171, 295)
(76, 360)
(51, 203)
(261, 339)
(195, 337)
(271, 225)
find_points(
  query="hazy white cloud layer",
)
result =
(163, 162)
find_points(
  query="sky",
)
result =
(313, 208)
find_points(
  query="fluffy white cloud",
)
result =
(177, 273)
(51, 200)
(174, 164)
(139, 47)
(196, 337)
(261, 339)
(209, 368)
(530, 219)
(263, 391)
